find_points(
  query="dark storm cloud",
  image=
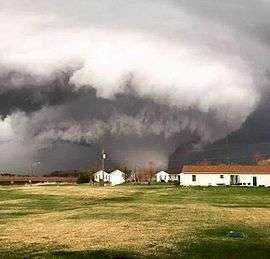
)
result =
(127, 75)
(22, 92)
(129, 127)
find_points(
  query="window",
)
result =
(193, 178)
(221, 176)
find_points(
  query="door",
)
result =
(234, 179)
(254, 181)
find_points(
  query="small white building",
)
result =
(241, 175)
(101, 176)
(174, 177)
(162, 176)
(116, 177)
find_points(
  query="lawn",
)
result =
(134, 221)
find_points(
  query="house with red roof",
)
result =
(215, 175)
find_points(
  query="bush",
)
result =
(83, 178)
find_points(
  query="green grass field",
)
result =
(158, 221)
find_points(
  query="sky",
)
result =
(205, 55)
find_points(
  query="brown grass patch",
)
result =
(141, 226)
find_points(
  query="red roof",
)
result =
(214, 169)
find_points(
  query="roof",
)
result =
(170, 173)
(213, 169)
(101, 171)
(116, 171)
(162, 172)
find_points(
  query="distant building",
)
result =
(21, 180)
(116, 177)
(101, 176)
(242, 175)
(162, 176)
(174, 177)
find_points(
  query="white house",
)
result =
(174, 177)
(243, 175)
(116, 177)
(162, 176)
(101, 175)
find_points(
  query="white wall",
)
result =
(215, 179)
(99, 176)
(116, 177)
(261, 179)
(173, 177)
(162, 176)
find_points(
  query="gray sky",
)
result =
(162, 43)
(212, 55)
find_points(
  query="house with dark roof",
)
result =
(241, 175)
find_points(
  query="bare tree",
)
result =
(151, 171)
(126, 171)
(258, 158)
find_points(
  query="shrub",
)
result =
(83, 178)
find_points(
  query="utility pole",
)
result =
(103, 164)
(103, 160)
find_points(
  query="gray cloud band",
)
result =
(81, 72)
